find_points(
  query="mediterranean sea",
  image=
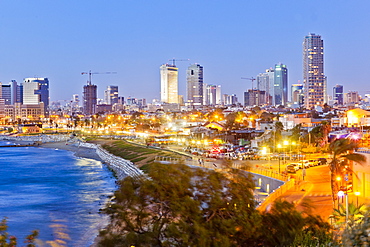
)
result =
(54, 192)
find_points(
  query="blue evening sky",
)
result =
(59, 39)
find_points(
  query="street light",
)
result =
(340, 194)
(279, 146)
(357, 194)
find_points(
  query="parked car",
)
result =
(322, 161)
(313, 162)
(290, 169)
(294, 165)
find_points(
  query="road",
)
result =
(315, 191)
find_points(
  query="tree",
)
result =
(342, 152)
(11, 241)
(283, 225)
(184, 206)
(279, 127)
(181, 206)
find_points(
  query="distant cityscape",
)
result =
(29, 100)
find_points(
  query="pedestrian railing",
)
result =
(265, 205)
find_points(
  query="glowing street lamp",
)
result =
(357, 194)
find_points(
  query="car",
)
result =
(294, 165)
(322, 161)
(305, 164)
(290, 169)
(313, 162)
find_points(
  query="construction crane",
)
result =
(93, 73)
(173, 60)
(252, 79)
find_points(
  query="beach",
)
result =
(81, 152)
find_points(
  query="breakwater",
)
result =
(120, 166)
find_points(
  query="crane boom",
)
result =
(93, 73)
(252, 79)
(173, 60)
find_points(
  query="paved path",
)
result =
(315, 190)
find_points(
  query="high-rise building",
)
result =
(297, 94)
(35, 91)
(264, 84)
(218, 95)
(280, 84)
(351, 98)
(169, 84)
(6, 93)
(230, 99)
(90, 97)
(314, 79)
(195, 85)
(338, 94)
(212, 94)
(111, 95)
(254, 97)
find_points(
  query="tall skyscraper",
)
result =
(90, 96)
(111, 95)
(280, 84)
(338, 94)
(314, 79)
(194, 85)
(35, 91)
(169, 84)
(263, 83)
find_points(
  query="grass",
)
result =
(136, 153)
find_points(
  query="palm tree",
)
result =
(342, 152)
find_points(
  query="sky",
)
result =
(59, 39)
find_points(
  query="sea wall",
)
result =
(36, 138)
(120, 166)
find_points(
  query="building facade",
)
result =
(169, 84)
(338, 94)
(194, 76)
(280, 84)
(90, 99)
(254, 97)
(36, 91)
(264, 84)
(314, 79)
(297, 96)
(6, 93)
(111, 95)
(351, 98)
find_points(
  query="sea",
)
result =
(54, 192)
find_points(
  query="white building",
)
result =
(169, 84)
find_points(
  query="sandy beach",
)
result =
(82, 152)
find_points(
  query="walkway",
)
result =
(314, 191)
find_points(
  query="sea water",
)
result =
(54, 192)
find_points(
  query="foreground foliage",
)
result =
(11, 241)
(183, 206)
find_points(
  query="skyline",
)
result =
(230, 40)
